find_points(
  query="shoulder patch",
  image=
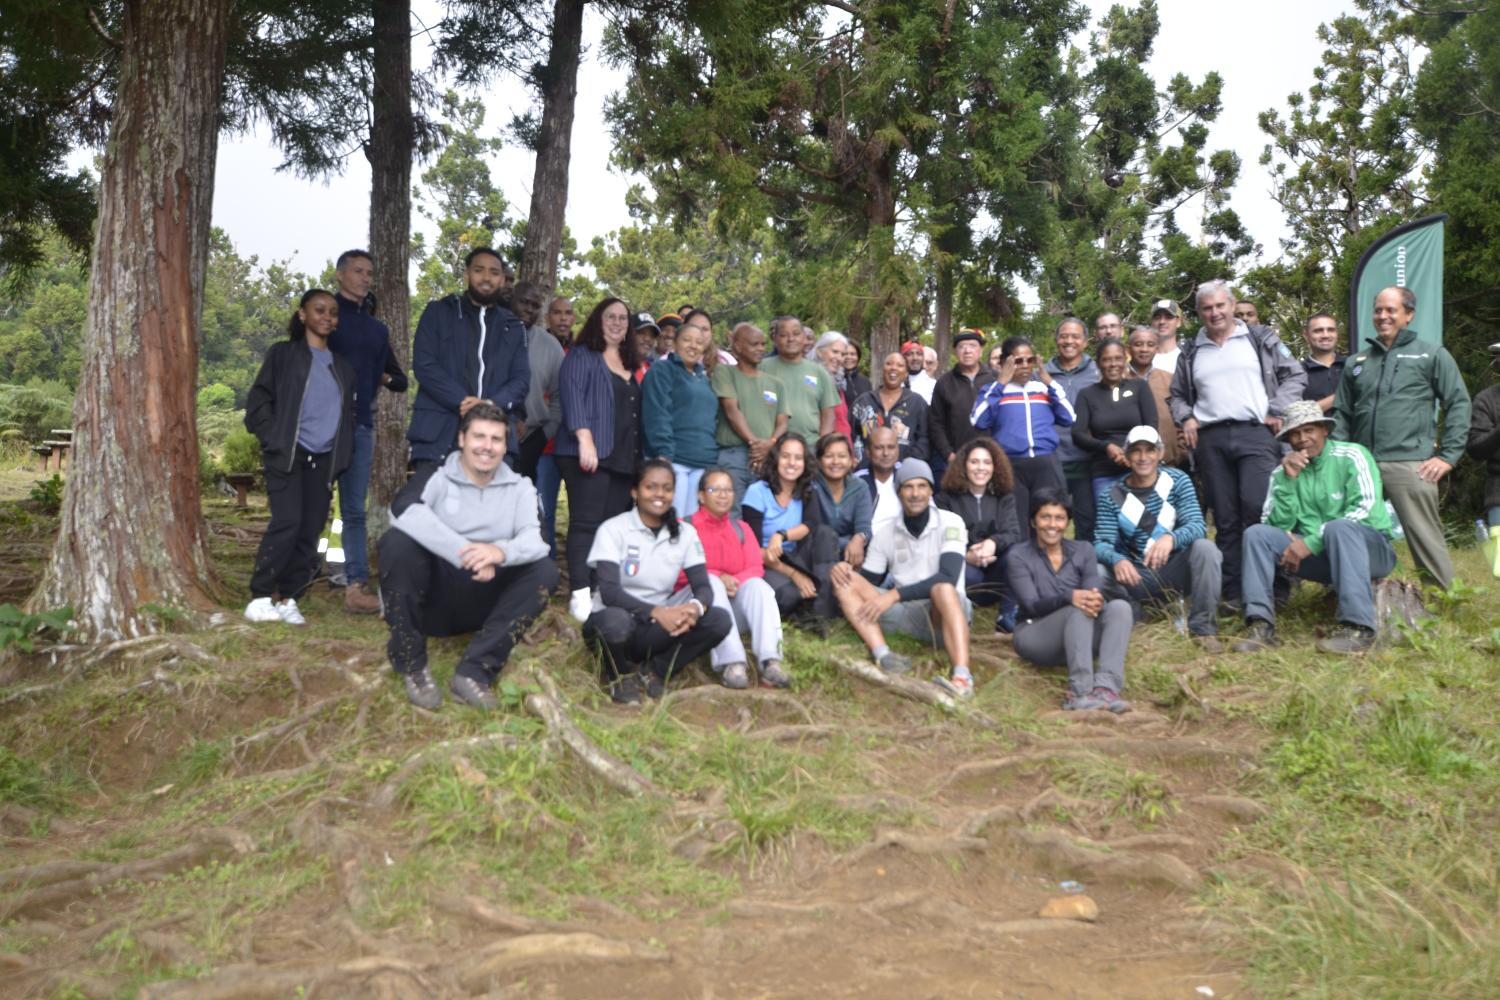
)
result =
(950, 534)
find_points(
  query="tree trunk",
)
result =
(880, 217)
(132, 529)
(392, 145)
(549, 186)
(942, 328)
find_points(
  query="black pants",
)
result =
(1235, 459)
(532, 446)
(815, 555)
(287, 560)
(593, 498)
(425, 595)
(628, 644)
(1033, 475)
(1079, 479)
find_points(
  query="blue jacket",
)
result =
(1023, 420)
(680, 412)
(1124, 526)
(453, 357)
(364, 342)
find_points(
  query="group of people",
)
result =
(722, 488)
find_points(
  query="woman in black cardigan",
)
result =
(977, 487)
(1106, 411)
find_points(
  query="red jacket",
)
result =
(724, 551)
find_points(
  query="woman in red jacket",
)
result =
(737, 573)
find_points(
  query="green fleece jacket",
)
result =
(1342, 482)
(1385, 401)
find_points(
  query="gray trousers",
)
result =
(1416, 503)
(736, 462)
(1352, 556)
(754, 610)
(1196, 571)
(1068, 637)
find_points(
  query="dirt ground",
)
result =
(134, 887)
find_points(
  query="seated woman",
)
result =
(977, 487)
(733, 558)
(799, 549)
(643, 623)
(844, 501)
(1064, 620)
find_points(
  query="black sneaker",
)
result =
(1259, 634)
(626, 690)
(473, 693)
(421, 690)
(655, 686)
(1348, 639)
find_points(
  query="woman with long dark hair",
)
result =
(979, 488)
(301, 407)
(599, 444)
(799, 549)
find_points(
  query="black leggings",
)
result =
(287, 560)
(593, 498)
(1033, 475)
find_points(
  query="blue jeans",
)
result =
(736, 462)
(548, 483)
(1352, 556)
(685, 496)
(354, 487)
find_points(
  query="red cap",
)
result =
(910, 345)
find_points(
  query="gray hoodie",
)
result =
(446, 511)
(1074, 382)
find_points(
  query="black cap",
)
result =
(643, 320)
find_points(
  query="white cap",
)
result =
(1143, 432)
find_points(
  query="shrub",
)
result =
(217, 396)
(241, 452)
(35, 409)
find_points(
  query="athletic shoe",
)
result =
(581, 604)
(626, 690)
(772, 676)
(736, 676)
(421, 690)
(287, 609)
(1005, 624)
(1111, 701)
(655, 686)
(1209, 643)
(262, 609)
(1259, 634)
(1348, 639)
(960, 686)
(358, 600)
(1082, 703)
(894, 663)
(472, 693)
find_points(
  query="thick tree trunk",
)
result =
(549, 186)
(132, 530)
(942, 326)
(880, 215)
(392, 145)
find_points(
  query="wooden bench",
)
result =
(44, 451)
(241, 481)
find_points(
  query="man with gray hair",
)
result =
(1232, 385)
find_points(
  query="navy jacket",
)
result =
(453, 358)
(1038, 590)
(364, 342)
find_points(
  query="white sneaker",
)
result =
(287, 609)
(581, 604)
(262, 609)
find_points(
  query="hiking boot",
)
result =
(894, 663)
(421, 690)
(1259, 634)
(1209, 643)
(626, 690)
(655, 686)
(772, 676)
(1348, 639)
(473, 693)
(262, 609)
(287, 609)
(358, 600)
(736, 676)
(1110, 700)
(1081, 703)
(960, 686)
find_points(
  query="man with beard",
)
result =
(917, 378)
(468, 349)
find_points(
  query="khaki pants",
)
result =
(1416, 503)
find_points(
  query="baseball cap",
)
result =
(1142, 433)
(1168, 306)
(975, 335)
(643, 320)
(913, 468)
(671, 318)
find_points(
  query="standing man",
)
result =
(1246, 313)
(930, 363)
(810, 394)
(1075, 371)
(464, 554)
(365, 343)
(1233, 384)
(543, 403)
(1323, 363)
(752, 408)
(1166, 320)
(560, 320)
(666, 340)
(948, 426)
(468, 349)
(1387, 401)
(1108, 325)
(917, 378)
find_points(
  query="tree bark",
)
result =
(549, 185)
(942, 327)
(880, 217)
(392, 145)
(132, 530)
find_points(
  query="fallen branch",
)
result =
(375, 975)
(504, 957)
(904, 687)
(548, 706)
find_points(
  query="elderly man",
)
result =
(1387, 400)
(811, 396)
(1324, 521)
(948, 426)
(1152, 537)
(1323, 362)
(830, 351)
(752, 408)
(917, 378)
(1232, 384)
(1166, 320)
(922, 552)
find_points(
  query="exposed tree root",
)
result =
(505, 957)
(282, 728)
(492, 917)
(978, 824)
(1047, 753)
(886, 801)
(22, 820)
(382, 976)
(548, 706)
(1055, 799)
(1176, 749)
(385, 796)
(1063, 853)
(794, 734)
(716, 694)
(766, 909)
(210, 845)
(1032, 925)
(341, 847)
(904, 687)
(48, 873)
(918, 843)
(1234, 808)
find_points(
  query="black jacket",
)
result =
(273, 406)
(948, 426)
(1484, 440)
(988, 516)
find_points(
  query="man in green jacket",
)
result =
(1387, 401)
(1324, 520)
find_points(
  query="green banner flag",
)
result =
(1409, 256)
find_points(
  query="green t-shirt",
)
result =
(809, 388)
(759, 396)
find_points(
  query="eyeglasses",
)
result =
(717, 490)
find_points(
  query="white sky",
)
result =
(1263, 52)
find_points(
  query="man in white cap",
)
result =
(1166, 319)
(1151, 534)
(923, 554)
(1325, 520)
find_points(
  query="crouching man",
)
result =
(1325, 520)
(464, 554)
(923, 553)
(1151, 535)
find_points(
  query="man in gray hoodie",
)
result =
(464, 554)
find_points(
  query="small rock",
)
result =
(1071, 908)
